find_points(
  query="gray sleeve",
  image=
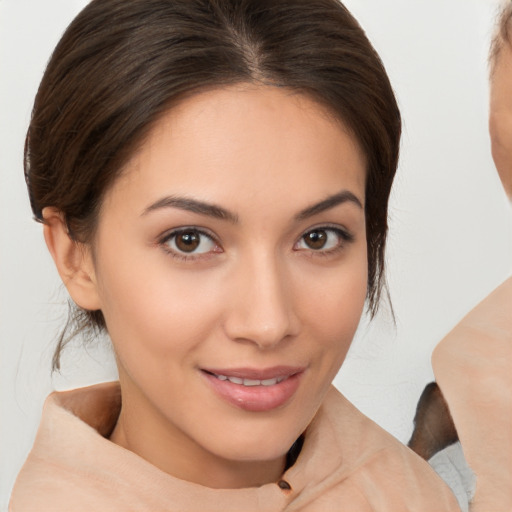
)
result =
(452, 467)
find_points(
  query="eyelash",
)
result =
(345, 237)
(167, 237)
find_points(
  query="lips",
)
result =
(251, 382)
(255, 390)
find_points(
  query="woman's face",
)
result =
(231, 268)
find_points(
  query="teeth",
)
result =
(252, 382)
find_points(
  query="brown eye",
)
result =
(188, 241)
(324, 239)
(316, 239)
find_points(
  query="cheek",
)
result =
(150, 308)
(500, 126)
(500, 119)
(342, 314)
(333, 302)
(339, 293)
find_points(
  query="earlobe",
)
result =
(72, 259)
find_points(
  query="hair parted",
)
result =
(122, 64)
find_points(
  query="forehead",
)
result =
(244, 142)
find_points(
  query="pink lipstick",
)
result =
(255, 390)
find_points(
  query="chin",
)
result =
(265, 441)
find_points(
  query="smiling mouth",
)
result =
(249, 382)
(255, 390)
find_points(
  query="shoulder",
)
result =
(387, 473)
(63, 470)
(43, 486)
(481, 343)
(472, 368)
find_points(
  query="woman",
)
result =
(213, 179)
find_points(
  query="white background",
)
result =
(451, 224)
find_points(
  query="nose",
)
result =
(262, 308)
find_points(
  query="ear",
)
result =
(72, 259)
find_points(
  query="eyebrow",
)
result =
(217, 212)
(193, 205)
(341, 197)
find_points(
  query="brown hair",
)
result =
(122, 64)
(501, 35)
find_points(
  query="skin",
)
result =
(257, 296)
(500, 118)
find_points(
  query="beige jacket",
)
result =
(347, 463)
(473, 367)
